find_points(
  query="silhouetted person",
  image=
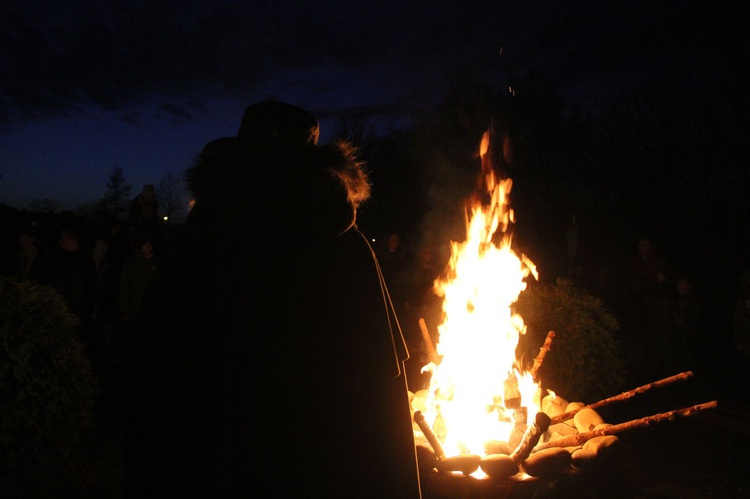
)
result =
(111, 249)
(34, 261)
(393, 259)
(8, 249)
(74, 274)
(144, 215)
(688, 324)
(74, 277)
(136, 274)
(741, 318)
(645, 312)
(396, 265)
(269, 362)
(661, 341)
(645, 265)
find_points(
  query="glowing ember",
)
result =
(478, 337)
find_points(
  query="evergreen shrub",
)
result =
(47, 387)
(584, 362)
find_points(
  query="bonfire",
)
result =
(485, 414)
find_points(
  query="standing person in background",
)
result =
(110, 246)
(645, 265)
(74, 277)
(144, 215)
(134, 280)
(269, 360)
(645, 311)
(740, 356)
(33, 260)
(688, 323)
(74, 274)
(395, 264)
(110, 251)
(393, 259)
(8, 249)
(741, 319)
(661, 345)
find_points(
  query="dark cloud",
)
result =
(61, 56)
(178, 113)
(57, 57)
(113, 53)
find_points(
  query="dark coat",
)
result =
(269, 358)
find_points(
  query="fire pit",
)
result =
(573, 442)
(486, 427)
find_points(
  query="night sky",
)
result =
(86, 86)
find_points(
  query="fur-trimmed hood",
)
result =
(309, 189)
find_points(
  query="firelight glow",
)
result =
(479, 333)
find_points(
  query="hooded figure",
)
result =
(269, 358)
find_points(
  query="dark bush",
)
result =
(584, 362)
(47, 388)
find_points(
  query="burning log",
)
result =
(511, 392)
(520, 426)
(531, 438)
(465, 463)
(434, 442)
(429, 347)
(542, 353)
(581, 438)
(625, 395)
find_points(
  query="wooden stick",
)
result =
(431, 353)
(530, 438)
(625, 395)
(580, 438)
(542, 353)
(434, 442)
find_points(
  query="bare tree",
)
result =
(115, 200)
(170, 192)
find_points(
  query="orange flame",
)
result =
(479, 333)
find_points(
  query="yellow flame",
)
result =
(479, 333)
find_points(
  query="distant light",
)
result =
(166, 218)
(373, 239)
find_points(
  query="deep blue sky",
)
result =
(87, 85)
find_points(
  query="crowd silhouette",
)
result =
(103, 268)
(93, 265)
